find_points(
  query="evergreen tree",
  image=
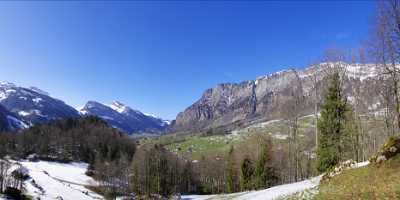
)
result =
(231, 172)
(247, 172)
(262, 171)
(331, 125)
(352, 138)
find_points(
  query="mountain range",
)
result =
(125, 118)
(225, 107)
(233, 105)
(22, 107)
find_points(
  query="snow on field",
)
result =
(52, 180)
(267, 194)
(272, 193)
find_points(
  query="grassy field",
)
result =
(371, 182)
(195, 146)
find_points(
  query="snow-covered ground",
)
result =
(272, 193)
(67, 181)
(267, 194)
(52, 180)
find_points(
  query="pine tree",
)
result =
(352, 138)
(331, 125)
(230, 172)
(261, 174)
(247, 172)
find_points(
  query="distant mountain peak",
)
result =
(35, 89)
(124, 118)
(32, 104)
(7, 84)
(119, 107)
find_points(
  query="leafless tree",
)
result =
(385, 48)
(5, 167)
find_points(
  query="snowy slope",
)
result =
(33, 105)
(272, 193)
(52, 180)
(267, 194)
(124, 118)
(9, 121)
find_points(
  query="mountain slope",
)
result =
(125, 118)
(10, 122)
(371, 182)
(229, 105)
(33, 105)
(52, 180)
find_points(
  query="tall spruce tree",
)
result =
(231, 172)
(262, 171)
(247, 172)
(331, 125)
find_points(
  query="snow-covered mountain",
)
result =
(10, 122)
(125, 118)
(228, 106)
(33, 105)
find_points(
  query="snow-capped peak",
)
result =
(7, 84)
(37, 90)
(119, 107)
(151, 115)
(163, 122)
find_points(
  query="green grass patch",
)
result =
(197, 146)
(370, 182)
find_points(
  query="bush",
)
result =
(13, 193)
(388, 150)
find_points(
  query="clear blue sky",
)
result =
(159, 57)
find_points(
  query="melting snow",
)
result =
(3, 96)
(119, 107)
(23, 113)
(10, 91)
(37, 100)
(37, 90)
(106, 117)
(57, 180)
(16, 122)
(276, 192)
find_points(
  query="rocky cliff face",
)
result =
(270, 97)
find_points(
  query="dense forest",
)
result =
(122, 169)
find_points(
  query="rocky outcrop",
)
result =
(230, 105)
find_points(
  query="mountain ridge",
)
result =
(267, 97)
(125, 118)
(26, 106)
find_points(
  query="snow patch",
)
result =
(57, 180)
(24, 113)
(37, 100)
(272, 193)
(119, 107)
(16, 123)
(3, 96)
(37, 90)
(106, 117)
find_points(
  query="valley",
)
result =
(199, 100)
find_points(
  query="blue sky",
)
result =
(159, 57)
